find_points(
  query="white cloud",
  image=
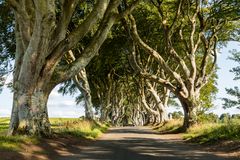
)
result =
(64, 112)
(55, 93)
(69, 102)
(5, 112)
(62, 103)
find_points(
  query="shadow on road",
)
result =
(126, 143)
(135, 144)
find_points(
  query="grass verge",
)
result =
(60, 126)
(13, 143)
(81, 128)
(214, 132)
(205, 132)
(170, 126)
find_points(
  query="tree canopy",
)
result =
(129, 59)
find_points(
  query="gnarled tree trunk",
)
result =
(42, 39)
(29, 113)
(190, 107)
(81, 82)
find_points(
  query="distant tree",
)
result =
(208, 117)
(225, 117)
(234, 92)
(177, 115)
(235, 116)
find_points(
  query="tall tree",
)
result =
(191, 30)
(81, 83)
(42, 38)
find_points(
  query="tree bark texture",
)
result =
(81, 81)
(29, 113)
(190, 112)
(83, 85)
(42, 39)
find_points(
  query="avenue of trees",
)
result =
(127, 60)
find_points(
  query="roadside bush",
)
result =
(225, 117)
(208, 118)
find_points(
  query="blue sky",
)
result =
(59, 106)
(225, 78)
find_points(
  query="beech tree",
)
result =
(191, 30)
(114, 85)
(42, 38)
(79, 81)
(158, 95)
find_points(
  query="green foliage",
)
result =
(177, 115)
(228, 103)
(235, 116)
(149, 28)
(236, 58)
(234, 92)
(228, 11)
(208, 94)
(225, 117)
(208, 117)
(7, 41)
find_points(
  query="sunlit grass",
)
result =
(60, 126)
(205, 132)
(4, 122)
(213, 132)
(81, 128)
(169, 126)
(12, 142)
(59, 122)
(15, 142)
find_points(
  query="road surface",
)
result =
(137, 143)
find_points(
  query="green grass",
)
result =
(3, 126)
(81, 128)
(205, 132)
(170, 126)
(213, 132)
(60, 126)
(12, 142)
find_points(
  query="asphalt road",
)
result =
(138, 143)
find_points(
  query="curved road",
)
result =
(138, 143)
